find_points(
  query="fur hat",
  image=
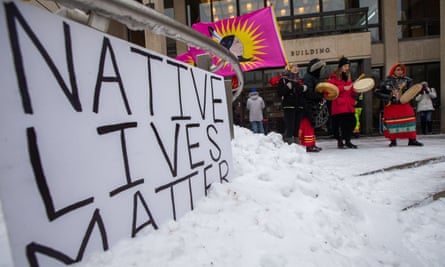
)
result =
(343, 61)
(315, 64)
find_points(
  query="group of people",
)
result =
(302, 106)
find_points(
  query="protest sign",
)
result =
(100, 138)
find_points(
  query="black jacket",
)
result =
(291, 97)
(389, 88)
(311, 97)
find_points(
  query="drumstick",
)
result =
(360, 77)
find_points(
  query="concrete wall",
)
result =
(378, 55)
(329, 48)
(415, 51)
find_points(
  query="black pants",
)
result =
(343, 125)
(292, 119)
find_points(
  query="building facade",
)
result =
(373, 34)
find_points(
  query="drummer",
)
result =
(342, 107)
(290, 89)
(399, 120)
(312, 101)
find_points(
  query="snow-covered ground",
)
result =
(286, 207)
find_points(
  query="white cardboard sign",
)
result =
(100, 138)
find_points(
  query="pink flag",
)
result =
(187, 58)
(253, 38)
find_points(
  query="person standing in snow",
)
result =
(290, 89)
(342, 108)
(313, 102)
(399, 120)
(255, 105)
(425, 107)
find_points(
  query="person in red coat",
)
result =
(342, 108)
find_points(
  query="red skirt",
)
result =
(399, 121)
(306, 133)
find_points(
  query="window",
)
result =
(205, 14)
(373, 18)
(302, 7)
(332, 5)
(418, 18)
(247, 6)
(429, 72)
(298, 18)
(223, 9)
(282, 7)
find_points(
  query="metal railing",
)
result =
(137, 16)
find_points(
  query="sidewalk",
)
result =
(401, 175)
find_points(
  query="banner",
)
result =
(100, 139)
(253, 38)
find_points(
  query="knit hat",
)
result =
(343, 61)
(394, 67)
(252, 90)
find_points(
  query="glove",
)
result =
(289, 85)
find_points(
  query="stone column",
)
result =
(389, 21)
(154, 41)
(180, 16)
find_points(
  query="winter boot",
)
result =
(393, 143)
(340, 144)
(350, 145)
(414, 142)
(289, 140)
(429, 124)
(423, 127)
(313, 149)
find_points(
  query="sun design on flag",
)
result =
(243, 39)
(189, 60)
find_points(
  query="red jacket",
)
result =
(345, 101)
